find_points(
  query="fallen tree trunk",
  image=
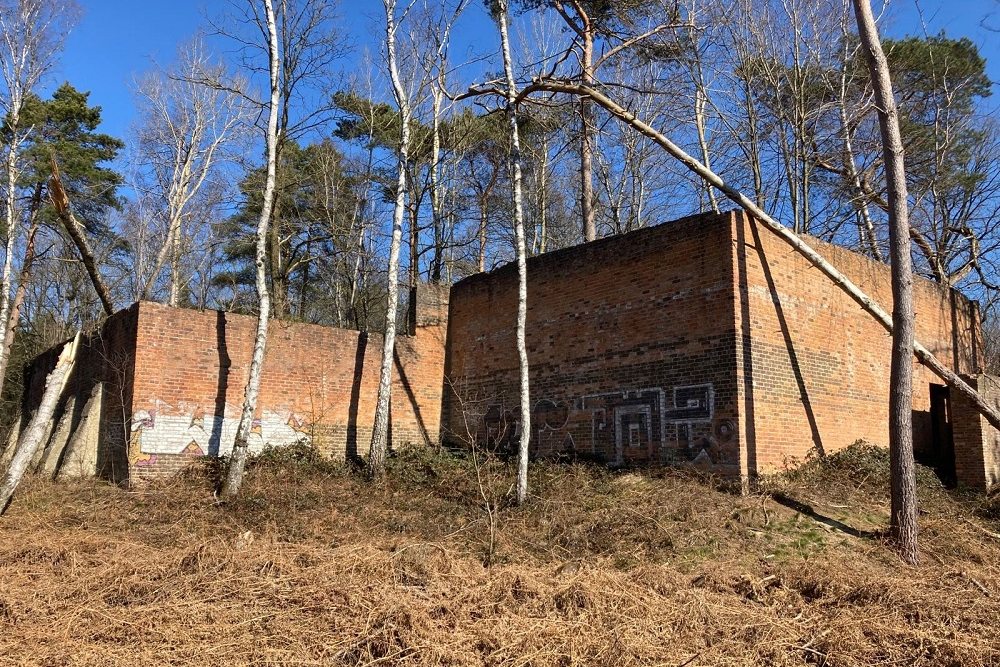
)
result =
(60, 200)
(839, 279)
(34, 435)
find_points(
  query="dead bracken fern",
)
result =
(312, 565)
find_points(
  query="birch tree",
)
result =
(903, 521)
(380, 429)
(524, 435)
(238, 458)
(31, 36)
(187, 126)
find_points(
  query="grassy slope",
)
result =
(312, 566)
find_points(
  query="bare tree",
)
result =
(524, 439)
(186, 128)
(380, 429)
(903, 522)
(237, 461)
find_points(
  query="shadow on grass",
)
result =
(809, 511)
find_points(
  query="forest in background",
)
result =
(774, 96)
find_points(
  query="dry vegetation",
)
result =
(312, 566)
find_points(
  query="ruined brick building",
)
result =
(705, 341)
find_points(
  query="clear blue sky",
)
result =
(116, 40)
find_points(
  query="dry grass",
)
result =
(313, 566)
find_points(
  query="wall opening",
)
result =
(942, 451)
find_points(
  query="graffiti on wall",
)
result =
(193, 431)
(632, 425)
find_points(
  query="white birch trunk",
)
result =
(903, 520)
(33, 437)
(524, 439)
(238, 458)
(12, 229)
(380, 429)
(867, 304)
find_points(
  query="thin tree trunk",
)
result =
(524, 439)
(12, 223)
(483, 218)
(586, 141)
(543, 205)
(699, 121)
(175, 268)
(923, 355)
(78, 234)
(436, 203)
(238, 458)
(161, 259)
(859, 199)
(380, 430)
(14, 316)
(903, 524)
(34, 435)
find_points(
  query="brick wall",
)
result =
(174, 380)
(814, 367)
(706, 340)
(631, 342)
(319, 384)
(977, 444)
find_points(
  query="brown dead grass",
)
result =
(313, 566)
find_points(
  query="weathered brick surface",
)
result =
(180, 374)
(705, 341)
(977, 444)
(775, 359)
(814, 367)
(319, 384)
(631, 342)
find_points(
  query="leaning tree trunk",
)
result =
(60, 200)
(238, 458)
(867, 304)
(380, 430)
(903, 524)
(524, 439)
(32, 439)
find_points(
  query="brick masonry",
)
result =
(706, 341)
(182, 374)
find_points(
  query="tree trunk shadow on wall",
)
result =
(744, 339)
(225, 362)
(351, 437)
(414, 404)
(793, 358)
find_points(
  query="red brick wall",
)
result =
(624, 331)
(319, 384)
(977, 443)
(815, 367)
(631, 342)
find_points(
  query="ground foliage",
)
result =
(311, 565)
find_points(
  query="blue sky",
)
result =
(116, 40)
